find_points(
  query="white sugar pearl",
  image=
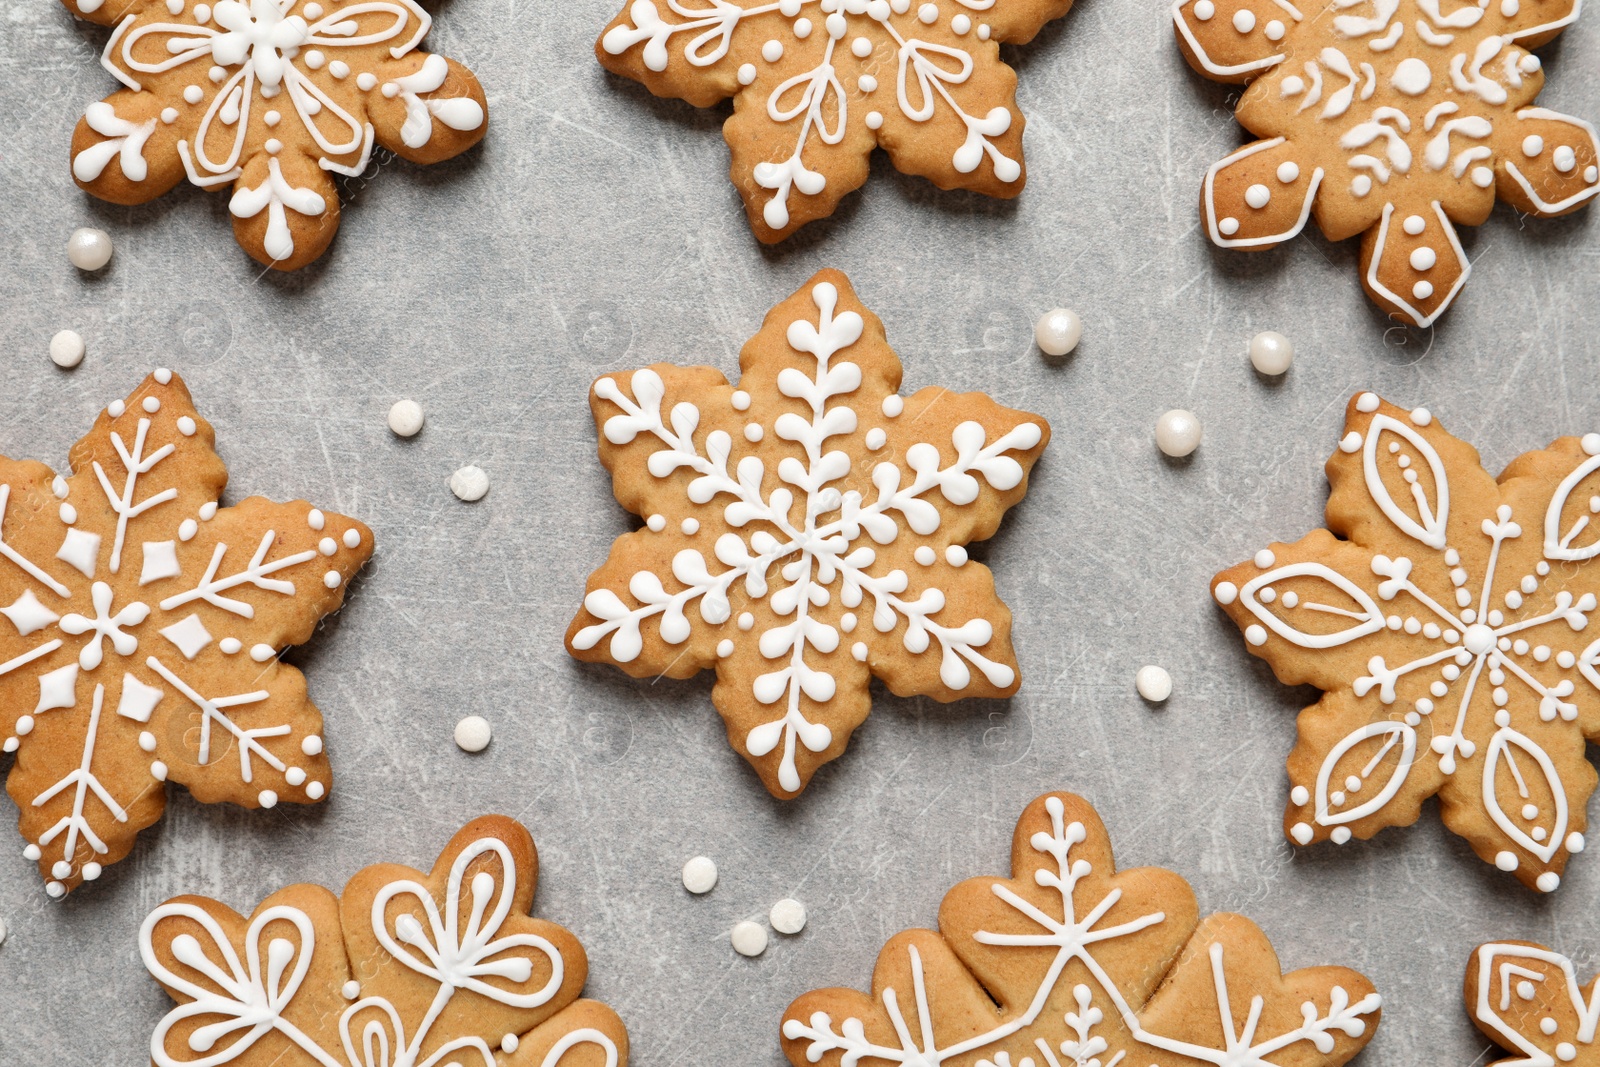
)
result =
(1270, 352)
(788, 916)
(1057, 332)
(469, 483)
(1178, 432)
(749, 939)
(405, 418)
(66, 349)
(473, 733)
(1153, 683)
(700, 875)
(89, 248)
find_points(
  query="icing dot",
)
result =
(1482, 177)
(339, 69)
(162, 375)
(473, 734)
(1178, 432)
(202, 13)
(267, 798)
(314, 790)
(1506, 861)
(328, 546)
(1275, 30)
(961, 24)
(956, 556)
(876, 438)
(1575, 842)
(193, 94)
(1549, 882)
(390, 90)
(657, 523)
(313, 11)
(690, 526)
(230, 645)
(272, 118)
(928, 14)
(55, 889)
(859, 651)
(1058, 331)
(1204, 10)
(788, 916)
(1532, 145)
(1256, 635)
(1300, 795)
(1258, 196)
(1244, 20)
(295, 776)
(747, 73)
(848, 622)
(187, 529)
(983, 31)
(1153, 683)
(1412, 77)
(1414, 224)
(1422, 290)
(1301, 832)
(89, 248)
(1293, 85)
(273, 146)
(753, 432)
(352, 538)
(1288, 171)
(700, 875)
(1225, 592)
(802, 28)
(1530, 811)
(158, 771)
(262, 653)
(1564, 159)
(925, 555)
(312, 745)
(509, 1043)
(1228, 226)
(1270, 352)
(91, 871)
(1591, 174)
(116, 408)
(469, 483)
(405, 418)
(1367, 403)
(332, 579)
(169, 115)
(1548, 1026)
(867, 83)
(1422, 416)
(316, 519)
(147, 741)
(31, 853)
(151, 405)
(861, 47)
(66, 349)
(874, 120)
(58, 486)
(789, 8)
(61, 869)
(836, 25)
(351, 990)
(1340, 835)
(1361, 186)
(893, 405)
(216, 74)
(367, 80)
(724, 648)
(1423, 258)
(315, 59)
(772, 51)
(748, 938)
(740, 400)
(747, 621)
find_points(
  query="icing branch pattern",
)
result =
(1393, 118)
(455, 946)
(813, 75)
(104, 672)
(1450, 636)
(1527, 999)
(1063, 896)
(818, 549)
(270, 96)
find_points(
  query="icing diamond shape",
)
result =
(138, 700)
(189, 634)
(28, 615)
(58, 689)
(160, 561)
(81, 549)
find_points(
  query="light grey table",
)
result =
(595, 229)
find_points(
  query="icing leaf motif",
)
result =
(406, 970)
(1070, 957)
(1445, 615)
(805, 531)
(143, 630)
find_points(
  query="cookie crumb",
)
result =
(749, 939)
(1178, 433)
(700, 875)
(473, 733)
(788, 916)
(89, 248)
(469, 483)
(405, 418)
(1271, 353)
(1153, 683)
(1058, 331)
(66, 349)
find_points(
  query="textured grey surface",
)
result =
(595, 229)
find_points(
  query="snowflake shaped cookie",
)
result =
(404, 969)
(1444, 614)
(1527, 999)
(1070, 964)
(271, 98)
(141, 638)
(1393, 119)
(817, 84)
(805, 531)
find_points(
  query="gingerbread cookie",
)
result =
(404, 969)
(1443, 614)
(142, 635)
(804, 531)
(271, 98)
(817, 84)
(1526, 999)
(1070, 962)
(1394, 120)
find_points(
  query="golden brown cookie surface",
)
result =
(142, 632)
(817, 84)
(1071, 962)
(405, 968)
(1444, 613)
(804, 531)
(1393, 119)
(270, 98)
(1526, 999)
